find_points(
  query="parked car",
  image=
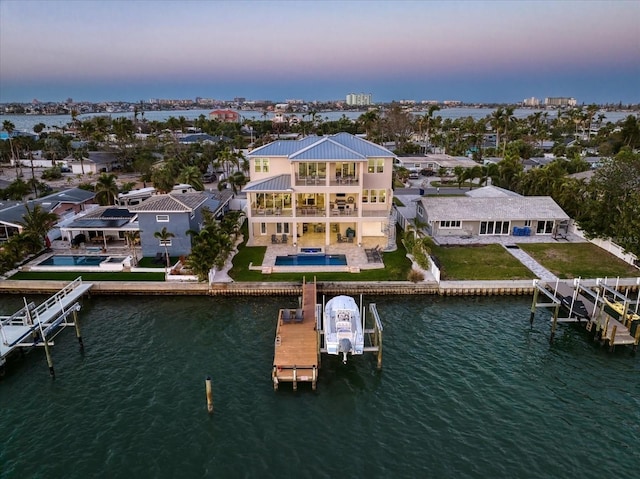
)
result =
(427, 172)
(209, 177)
(65, 169)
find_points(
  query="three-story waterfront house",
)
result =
(319, 191)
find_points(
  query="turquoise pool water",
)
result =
(68, 260)
(312, 260)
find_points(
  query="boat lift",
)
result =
(34, 326)
(371, 329)
(587, 305)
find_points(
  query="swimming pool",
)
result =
(60, 262)
(68, 260)
(311, 260)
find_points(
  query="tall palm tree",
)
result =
(79, 155)
(164, 236)
(36, 223)
(9, 127)
(106, 189)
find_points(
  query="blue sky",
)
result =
(480, 51)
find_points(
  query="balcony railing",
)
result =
(311, 211)
(311, 180)
(271, 212)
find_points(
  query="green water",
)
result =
(468, 390)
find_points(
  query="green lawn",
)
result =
(71, 275)
(488, 262)
(578, 260)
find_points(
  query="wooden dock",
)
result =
(296, 351)
(606, 327)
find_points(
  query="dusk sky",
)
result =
(474, 51)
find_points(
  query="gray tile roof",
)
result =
(464, 208)
(275, 183)
(172, 203)
(341, 146)
(491, 191)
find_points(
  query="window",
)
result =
(451, 224)
(494, 227)
(374, 196)
(282, 228)
(262, 165)
(544, 227)
(375, 165)
(527, 223)
(419, 210)
(162, 218)
(263, 228)
(166, 242)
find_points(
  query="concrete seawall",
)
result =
(445, 288)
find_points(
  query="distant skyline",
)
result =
(474, 51)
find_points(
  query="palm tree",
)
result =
(9, 127)
(164, 236)
(106, 189)
(36, 223)
(79, 155)
(132, 238)
(236, 181)
(192, 176)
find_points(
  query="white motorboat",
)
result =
(343, 327)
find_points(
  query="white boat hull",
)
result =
(343, 327)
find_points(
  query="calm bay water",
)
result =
(27, 122)
(467, 390)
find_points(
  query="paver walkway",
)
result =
(537, 269)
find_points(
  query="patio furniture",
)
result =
(286, 315)
(274, 239)
(284, 238)
(299, 315)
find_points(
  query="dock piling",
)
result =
(209, 390)
(78, 334)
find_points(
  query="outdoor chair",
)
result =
(284, 238)
(299, 315)
(274, 239)
(286, 315)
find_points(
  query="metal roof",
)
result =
(464, 208)
(341, 146)
(275, 183)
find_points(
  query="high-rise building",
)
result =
(359, 99)
(533, 101)
(560, 101)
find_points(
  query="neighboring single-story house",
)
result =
(434, 162)
(502, 215)
(65, 204)
(101, 226)
(94, 162)
(203, 138)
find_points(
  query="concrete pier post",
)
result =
(209, 390)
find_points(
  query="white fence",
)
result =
(606, 245)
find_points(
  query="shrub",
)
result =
(415, 276)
